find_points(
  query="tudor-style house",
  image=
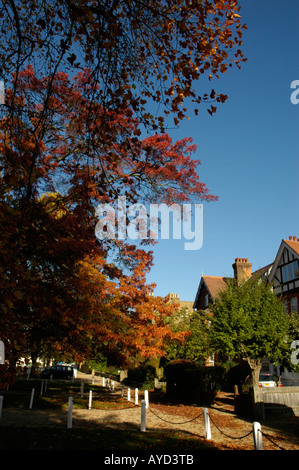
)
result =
(285, 278)
(285, 273)
(210, 286)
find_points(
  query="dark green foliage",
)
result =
(142, 377)
(192, 384)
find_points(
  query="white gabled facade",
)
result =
(285, 278)
(285, 273)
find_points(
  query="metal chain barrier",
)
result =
(172, 422)
(227, 435)
(114, 409)
(217, 427)
(246, 435)
(272, 442)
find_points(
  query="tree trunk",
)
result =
(33, 363)
(255, 367)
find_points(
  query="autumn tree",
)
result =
(58, 280)
(139, 53)
(249, 321)
(81, 79)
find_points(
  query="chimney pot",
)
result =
(242, 269)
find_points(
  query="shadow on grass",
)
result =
(95, 439)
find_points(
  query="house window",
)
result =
(289, 271)
(294, 304)
(206, 300)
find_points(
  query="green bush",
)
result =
(188, 383)
(142, 377)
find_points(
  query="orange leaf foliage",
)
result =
(70, 138)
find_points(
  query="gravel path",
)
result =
(228, 430)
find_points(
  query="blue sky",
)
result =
(249, 157)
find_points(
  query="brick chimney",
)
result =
(294, 239)
(242, 269)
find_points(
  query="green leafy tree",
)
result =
(193, 345)
(179, 322)
(198, 343)
(249, 322)
(291, 361)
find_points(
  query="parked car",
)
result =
(268, 380)
(58, 372)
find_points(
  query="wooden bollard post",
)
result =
(206, 421)
(122, 391)
(82, 388)
(31, 398)
(70, 413)
(257, 436)
(143, 416)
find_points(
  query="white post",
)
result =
(113, 386)
(70, 413)
(1, 405)
(136, 396)
(2, 346)
(146, 397)
(31, 398)
(257, 436)
(129, 394)
(206, 420)
(103, 381)
(143, 415)
(90, 399)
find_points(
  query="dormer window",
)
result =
(294, 304)
(289, 271)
